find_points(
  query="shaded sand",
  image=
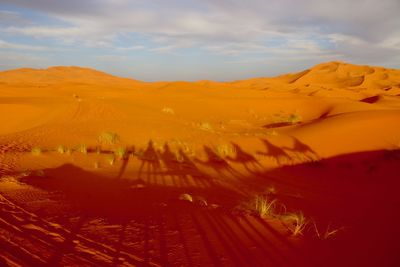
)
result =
(98, 170)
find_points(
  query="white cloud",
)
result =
(357, 30)
(131, 48)
(13, 60)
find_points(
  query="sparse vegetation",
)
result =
(168, 110)
(186, 197)
(200, 201)
(294, 118)
(108, 138)
(263, 206)
(25, 173)
(296, 222)
(205, 126)
(328, 233)
(272, 133)
(226, 150)
(271, 190)
(120, 152)
(61, 149)
(36, 151)
(186, 148)
(82, 148)
(111, 159)
(39, 173)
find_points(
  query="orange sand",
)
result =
(326, 140)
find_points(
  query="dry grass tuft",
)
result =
(263, 206)
(82, 148)
(205, 126)
(108, 138)
(296, 222)
(168, 110)
(120, 152)
(36, 151)
(328, 233)
(226, 150)
(111, 159)
(186, 197)
(61, 149)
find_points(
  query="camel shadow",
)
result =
(218, 164)
(249, 162)
(275, 152)
(150, 163)
(301, 151)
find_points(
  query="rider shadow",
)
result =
(150, 163)
(172, 167)
(302, 151)
(218, 164)
(278, 154)
(182, 170)
(125, 161)
(249, 162)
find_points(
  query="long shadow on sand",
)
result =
(355, 191)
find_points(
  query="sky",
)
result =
(221, 40)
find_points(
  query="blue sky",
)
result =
(198, 39)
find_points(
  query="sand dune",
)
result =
(98, 170)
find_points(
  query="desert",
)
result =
(299, 169)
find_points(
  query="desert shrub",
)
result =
(186, 148)
(168, 110)
(200, 201)
(328, 233)
(294, 118)
(205, 126)
(272, 133)
(36, 151)
(61, 149)
(39, 173)
(226, 150)
(120, 152)
(111, 159)
(271, 190)
(25, 173)
(108, 138)
(186, 197)
(82, 148)
(263, 206)
(296, 222)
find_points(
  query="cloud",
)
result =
(131, 48)
(358, 31)
(111, 58)
(224, 20)
(17, 60)
(14, 46)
